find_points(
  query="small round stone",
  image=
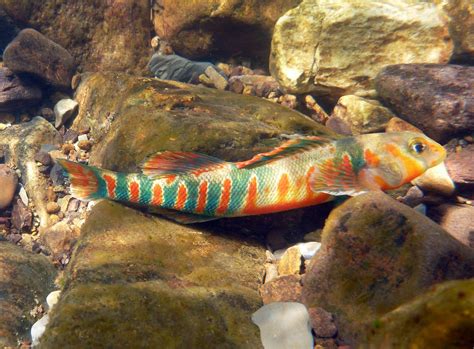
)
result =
(52, 207)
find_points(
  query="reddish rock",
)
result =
(22, 218)
(8, 184)
(438, 99)
(461, 167)
(325, 343)
(286, 288)
(32, 52)
(59, 238)
(262, 84)
(16, 93)
(457, 220)
(322, 322)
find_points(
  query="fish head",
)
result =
(393, 159)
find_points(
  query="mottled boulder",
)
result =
(21, 143)
(457, 220)
(204, 28)
(16, 93)
(361, 114)
(376, 254)
(131, 118)
(33, 53)
(460, 15)
(338, 48)
(100, 35)
(441, 318)
(25, 281)
(460, 167)
(438, 99)
(146, 282)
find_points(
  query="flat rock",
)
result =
(33, 53)
(131, 118)
(438, 99)
(286, 288)
(202, 28)
(338, 48)
(16, 93)
(21, 143)
(143, 281)
(25, 281)
(8, 183)
(99, 35)
(64, 110)
(457, 220)
(376, 254)
(448, 306)
(361, 114)
(460, 167)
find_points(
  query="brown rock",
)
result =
(32, 52)
(439, 99)
(52, 207)
(396, 124)
(457, 220)
(16, 93)
(197, 28)
(100, 35)
(322, 322)
(22, 218)
(59, 238)
(325, 343)
(290, 262)
(262, 84)
(285, 288)
(8, 185)
(460, 166)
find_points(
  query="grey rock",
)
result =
(64, 110)
(16, 93)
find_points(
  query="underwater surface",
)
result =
(237, 174)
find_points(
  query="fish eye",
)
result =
(417, 146)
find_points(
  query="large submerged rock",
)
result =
(146, 282)
(131, 118)
(16, 93)
(377, 254)
(204, 28)
(25, 280)
(338, 47)
(438, 99)
(441, 318)
(100, 35)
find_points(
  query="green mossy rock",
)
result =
(25, 279)
(377, 254)
(132, 117)
(137, 281)
(441, 318)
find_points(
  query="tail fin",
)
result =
(85, 180)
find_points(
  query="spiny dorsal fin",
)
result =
(169, 163)
(290, 147)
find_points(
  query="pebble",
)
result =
(290, 262)
(322, 322)
(309, 249)
(216, 78)
(286, 288)
(437, 180)
(64, 110)
(284, 325)
(52, 207)
(23, 196)
(271, 272)
(84, 145)
(8, 183)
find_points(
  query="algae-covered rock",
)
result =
(131, 118)
(441, 318)
(338, 47)
(377, 254)
(141, 281)
(25, 281)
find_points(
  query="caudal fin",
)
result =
(85, 183)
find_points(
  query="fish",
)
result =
(191, 187)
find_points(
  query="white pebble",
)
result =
(38, 328)
(52, 299)
(284, 325)
(82, 138)
(309, 249)
(23, 196)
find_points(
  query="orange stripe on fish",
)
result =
(225, 196)
(134, 190)
(283, 187)
(251, 203)
(202, 197)
(111, 185)
(371, 158)
(181, 198)
(157, 198)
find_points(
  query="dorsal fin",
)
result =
(290, 147)
(169, 163)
